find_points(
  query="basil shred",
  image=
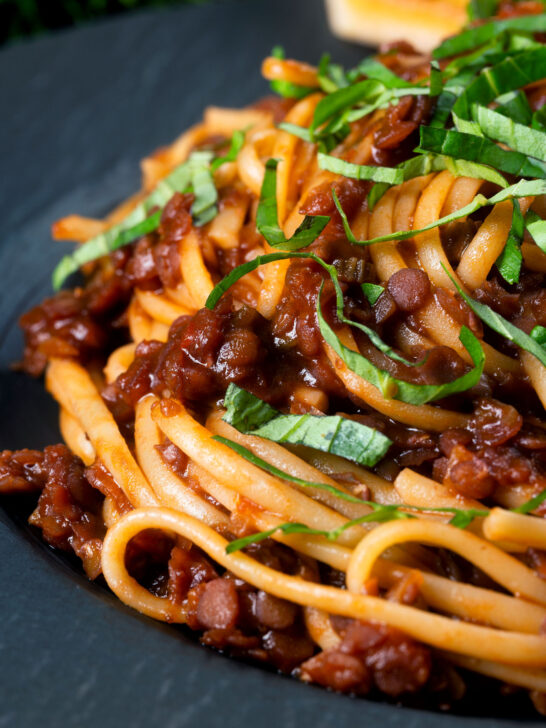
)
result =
(333, 434)
(194, 175)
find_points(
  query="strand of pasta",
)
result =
(280, 457)
(417, 490)
(226, 227)
(503, 525)
(423, 416)
(285, 69)
(504, 569)
(442, 632)
(486, 246)
(140, 324)
(284, 149)
(75, 437)
(181, 295)
(521, 676)
(73, 388)
(462, 192)
(406, 202)
(441, 327)
(536, 373)
(429, 244)
(160, 308)
(169, 489)
(110, 512)
(385, 256)
(236, 473)
(119, 361)
(251, 168)
(77, 228)
(319, 626)
(193, 268)
(408, 340)
(533, 257)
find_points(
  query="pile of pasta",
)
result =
(493, 626)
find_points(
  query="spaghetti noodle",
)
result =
(303, 384)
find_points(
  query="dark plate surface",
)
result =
(79, 110)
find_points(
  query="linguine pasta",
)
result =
(319, 451)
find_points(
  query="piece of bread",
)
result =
(423, 22)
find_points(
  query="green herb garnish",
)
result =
(380, 514)
(536, 227)
(479, 149)
(272, 470)
(519, 137)
(524, 188)
(532, 504)
(372, 291)
(501, 326)
(267, 217)
(472, 38)
(195, 174)
(390, 175)
(393, 388)
(333, 434)
(287, 89)
(510, 260)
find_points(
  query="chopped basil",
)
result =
(503, 327)
(481, 9)
(514, 72)
(287, 89)
(300, 131)
(204, 206)
(466, 126)
(510, 260)
(539, 334)
(531, 505)
(514, 104)
(331, 76)
(267, 217)
(235, 146)
(474, 37)
(536, 227)
(380, 514)
(195, 174)
(479, 149)
(539, 119)
(523, 188)
(327, 433)
(372, 291)
(392, 388)
(272, 470)
(389, 175)
(452, 89)
(426, 163)
(102, 245)
(518, 137)
(436, 79)
(375, 70)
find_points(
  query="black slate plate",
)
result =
(79, 110)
